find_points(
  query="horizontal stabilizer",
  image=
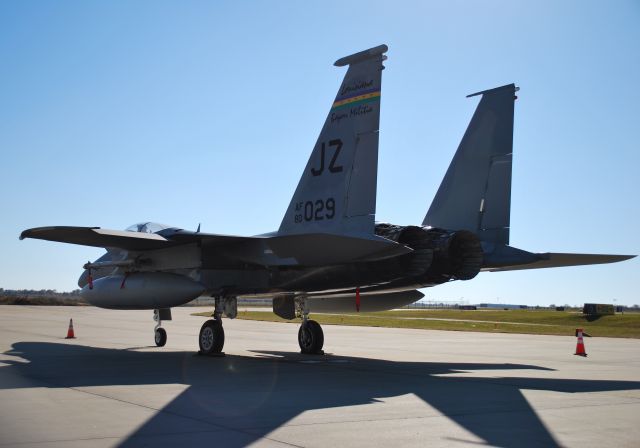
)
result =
(556, 260)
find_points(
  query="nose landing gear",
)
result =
(159, 333)
(160, 336)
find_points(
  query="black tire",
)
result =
(160, 337)
(211, 339)
(310, 337)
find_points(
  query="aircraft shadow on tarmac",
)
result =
(236, 400)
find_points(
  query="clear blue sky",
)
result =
(185, 112)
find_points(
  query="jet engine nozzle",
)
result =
(459, 255)
(438, 255)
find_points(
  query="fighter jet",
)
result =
(329, 254)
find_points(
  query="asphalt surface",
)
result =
(376, 387)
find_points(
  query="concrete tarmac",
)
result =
(376, 387)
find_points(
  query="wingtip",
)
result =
(28, 233)
(33, 232)
(25, 234)
(618, 258)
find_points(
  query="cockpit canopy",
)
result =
(147, 227)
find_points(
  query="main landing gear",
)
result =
(310, 334)
(211, 338)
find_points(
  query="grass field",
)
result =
(498, 321)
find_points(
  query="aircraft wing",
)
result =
(210, 239)
(98, 237)
(554, 260)
(311, 249)
(123, 239)
(320, 249)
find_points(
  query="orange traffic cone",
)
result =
(70, 334)
(580, 351)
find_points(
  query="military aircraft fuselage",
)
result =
(436, 256)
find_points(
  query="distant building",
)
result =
(598, 309)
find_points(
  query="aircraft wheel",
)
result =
(211, 338)
(311, 337)
(160, 337)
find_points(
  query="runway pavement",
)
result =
(376, 387)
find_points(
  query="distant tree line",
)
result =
(40, 297)
(39, 293)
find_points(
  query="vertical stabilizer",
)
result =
(475, 193)
(337, 191)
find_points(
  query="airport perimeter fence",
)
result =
(434, 306)
(210, 301)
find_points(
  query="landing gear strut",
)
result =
(310, 334)
(160, 334)
(211, 339)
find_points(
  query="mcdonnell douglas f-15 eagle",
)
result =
(329, 254)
